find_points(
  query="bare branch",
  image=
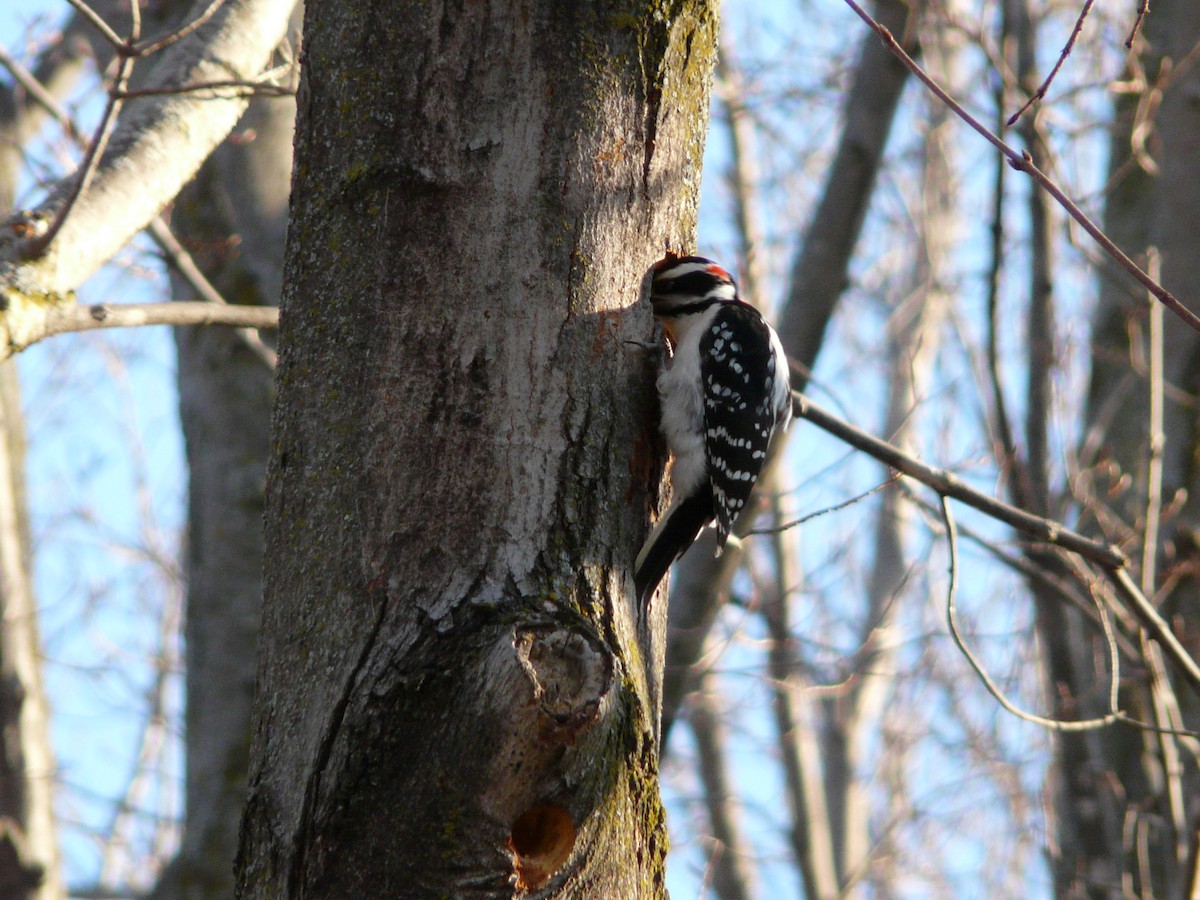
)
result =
(158, 155)
(228, 87)
(1114, 716)
(1111, 559)
(1023, 162)
(87, 169)
(837, 507)
(36, 90)
(181, 33)
(181, 261)
(103, 27)
(1062, 58)
(948, 484)
(993, 689)
(61, 320)
(1143, 8)
(1154, 461)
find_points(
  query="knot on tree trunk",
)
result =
(549, 773)
(570, 675)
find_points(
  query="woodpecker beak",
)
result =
(669, 335)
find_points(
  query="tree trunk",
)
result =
(29, 853)
(29, 857)
(453, 696)
(233, 218)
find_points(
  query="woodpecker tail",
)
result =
(673, 534)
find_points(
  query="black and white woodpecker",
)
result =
(724, 393)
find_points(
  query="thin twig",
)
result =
(1154, 461)
(947, 483)
(993, 689)
(239, 88)
(178, 258)
(1023, 567)
(1062, 58)
(103, 27)
(91, 160)
(95, 151)
(178, 35)
(837, 507)
(1162, 698)
(1143, 8)
(38, 93)
(1155, 624)
(1111, 718)
(1023, 162)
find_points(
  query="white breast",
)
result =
(680, 393)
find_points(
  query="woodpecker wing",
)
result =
(739, 408)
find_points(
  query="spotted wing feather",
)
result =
(739, 410)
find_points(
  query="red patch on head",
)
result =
(718, 272)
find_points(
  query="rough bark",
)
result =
(452, 698)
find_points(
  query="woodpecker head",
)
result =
(682, 285)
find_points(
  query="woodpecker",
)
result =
(724, 393)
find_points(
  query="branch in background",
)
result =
(235, 88)
(1027, 569)
(95, 151)
(820, 271)
(797, 724)
(97, 22)
(174, 252)
(1023, 162)
(61, 320)
(181, 261)
(40, 95)
(1040, 93)
(131, 48)
(819, 275)
(993, 689)
(948, 484)
(837, 507)
(1112, 717)
(1010, 464)
(158, 156)
(1143, 8)
(1110, 559)
(180, 33)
